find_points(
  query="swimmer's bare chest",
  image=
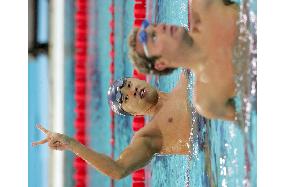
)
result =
(175, 123)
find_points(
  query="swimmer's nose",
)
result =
(133, 92)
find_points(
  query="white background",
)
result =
(14, 96)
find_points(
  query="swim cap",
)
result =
(115, 97)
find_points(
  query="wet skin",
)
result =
(215, 84)
(207, 50)
(169, 117)
(166, 133)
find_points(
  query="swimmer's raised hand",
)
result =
(55, 141)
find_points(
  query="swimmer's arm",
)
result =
(138, 153)
(135, 156)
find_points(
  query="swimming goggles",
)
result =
(115, 96)
(143, 36)
(119, 85)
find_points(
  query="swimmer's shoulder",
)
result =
(151, 129)
(150, 134)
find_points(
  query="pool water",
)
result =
(224, 154)
(229, 155)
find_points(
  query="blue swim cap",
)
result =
(115, 97)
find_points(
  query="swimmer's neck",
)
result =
(162, 98)
(190, 57)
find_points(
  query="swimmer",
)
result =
(206, 50)
(167, 132)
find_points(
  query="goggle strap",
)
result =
(145, 50)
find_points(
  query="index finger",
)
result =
(40, 142)
(45, 131)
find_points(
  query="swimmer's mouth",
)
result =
(142, 93)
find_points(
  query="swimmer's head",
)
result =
(115, 96)
(131, 96)
(153, 47)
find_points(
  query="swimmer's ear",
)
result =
(160, 65)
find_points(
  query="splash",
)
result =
(244, 61)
